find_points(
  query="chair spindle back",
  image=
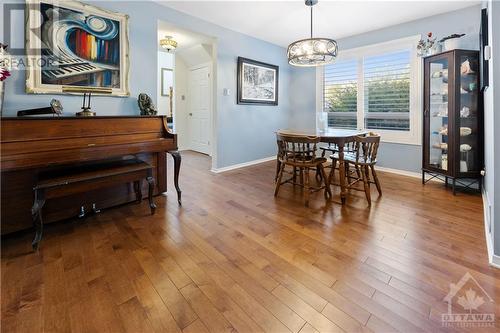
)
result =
(296, 147)
(367, 147)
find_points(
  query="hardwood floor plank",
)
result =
(157, 312)
(307, 328)
(176, 303)
(377, 309)
(134, 317)
(235, 258)
(55, 313)
(205, 310)
(196, 327)
(377, 325)
(313, 317)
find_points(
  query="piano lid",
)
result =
(41, 141)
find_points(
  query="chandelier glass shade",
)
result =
(312, 51)
(168, 43)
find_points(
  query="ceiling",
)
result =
(281, 22)
(184, 38)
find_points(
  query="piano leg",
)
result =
(138, 190)
(36, 212)
(151, 183)
(177, 168)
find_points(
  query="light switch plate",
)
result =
(487, 52)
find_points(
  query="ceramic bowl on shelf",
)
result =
(464, 131)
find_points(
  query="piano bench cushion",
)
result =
(95, 172)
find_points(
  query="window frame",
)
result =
(411, 137)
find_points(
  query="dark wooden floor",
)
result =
(234, 258)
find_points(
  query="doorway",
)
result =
(191, 102)
(199, 104)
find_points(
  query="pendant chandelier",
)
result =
(168, 43)
(312, 51)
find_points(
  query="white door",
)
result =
(199, 109)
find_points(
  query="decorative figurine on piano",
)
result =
(87, 93)
(146, 105)
(86, 108)
(56, 106)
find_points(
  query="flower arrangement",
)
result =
(4, 72)
(4, 68)
(424, 46)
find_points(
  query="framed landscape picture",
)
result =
(75, 45)
(257, 82)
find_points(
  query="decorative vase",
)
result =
(436, 48)
(322, 121)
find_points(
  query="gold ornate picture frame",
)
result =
(71, 44)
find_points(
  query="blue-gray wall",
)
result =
(495, 73)
(402, 156)
(491, 133)
(244, 133)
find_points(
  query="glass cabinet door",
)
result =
(438, 114)
(467, 131)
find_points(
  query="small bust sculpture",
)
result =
(146, 105)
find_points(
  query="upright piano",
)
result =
(34, 145)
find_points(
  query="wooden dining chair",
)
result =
(330, 148)
(362, 158)
(350, 147)
(299, 152)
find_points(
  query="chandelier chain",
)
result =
(311, 22)
(312, 51)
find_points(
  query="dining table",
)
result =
(339, 137)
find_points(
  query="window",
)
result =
(375, 88)
(340, 94)
(387, 91)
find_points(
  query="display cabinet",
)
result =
(452, 119)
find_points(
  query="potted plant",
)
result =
(451, 42)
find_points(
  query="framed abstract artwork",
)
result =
(75, 45)
(257, 82)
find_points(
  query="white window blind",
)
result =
(375, 87)
(340, 89)
(387, 91)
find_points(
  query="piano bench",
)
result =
(79, 179)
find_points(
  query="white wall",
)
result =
(181, 108)
(165, 60)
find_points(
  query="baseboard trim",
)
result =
(267, 159)
(493, 259)
(406, 173)
(400, 172)
(242, 165)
